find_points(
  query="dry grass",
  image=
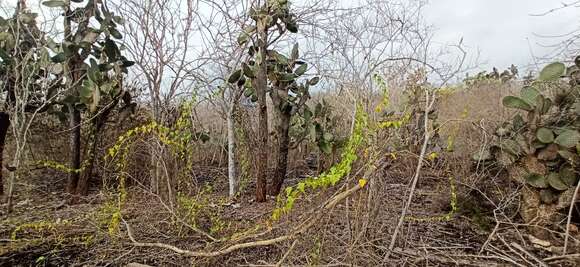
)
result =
(473, 114)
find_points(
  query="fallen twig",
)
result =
(286, 254)
(428, 104)
(562, 257)
(520, 248)
(572, 204)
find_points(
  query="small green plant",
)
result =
(548, 133)
(38, 227)
(40, 261)
(109, 216)
(193, 208)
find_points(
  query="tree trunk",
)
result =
(232, 152)
(4, 125)
(75, 148)
(282, 130)
(261, 85)
(262, 163)
(82, 187)
(97, 126)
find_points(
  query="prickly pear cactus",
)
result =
(540, 146)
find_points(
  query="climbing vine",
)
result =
(178, 138)
(334, 175)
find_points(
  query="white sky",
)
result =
(502, 30)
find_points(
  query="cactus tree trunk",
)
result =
(261, 86)
(96, 128)
(75, 148)
(282, 131)
(85, 177)
(4, 124)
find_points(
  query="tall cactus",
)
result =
(269, 71)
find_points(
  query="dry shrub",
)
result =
(471, 115)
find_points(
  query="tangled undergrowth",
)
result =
(317, 218)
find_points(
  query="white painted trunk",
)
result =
(232, 152)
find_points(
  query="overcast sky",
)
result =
(502, 30)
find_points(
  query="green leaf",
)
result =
(312, 132)
(292, 27)
(105, 67)
(119, 20)
(204, 137)
(530, 94)
(516, 102)
(248, 71)
(54, 3)
(301, 70)
(314, 81)
(235, 77)
(295, 52)
(537, 180)
(568, 176)
(325, 147)
(86, 90)
(5, 57)
(128, 63)
(568, 138)
(543, 105)
(511, 146)
(69, 48)
(242, 81)
(557, 183)
(281, 59)
(243, 38)
(318, 110)
(115, 33)
(287, 77)
(52, 45)
(8, 40)
(518, 122)
(545, 135)
(307, 114)
(569, 156)
(93, 72)
(58, 58)
(111, 50)
(328, 137)
(553, 71)
(249, 92)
